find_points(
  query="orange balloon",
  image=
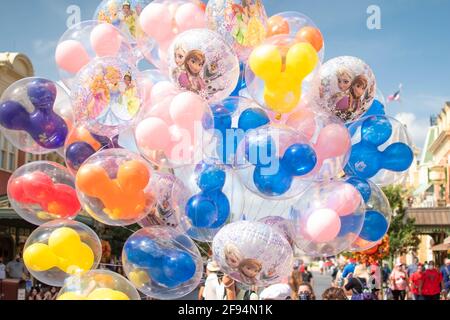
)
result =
(82, 134)
(124, 197)
(277, 25)
(311, 35)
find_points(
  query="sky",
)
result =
(412, 47)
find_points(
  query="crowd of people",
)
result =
(350, 281)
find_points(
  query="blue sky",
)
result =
(412, 47)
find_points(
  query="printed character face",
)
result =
(180, 55)
(232, 260)
(359, 89)
(344, 82)
(127, 80)
(250, 270)
(195, 65)
(126, 9)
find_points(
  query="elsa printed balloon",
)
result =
(348, 87)
(200, 61)
(253, 253)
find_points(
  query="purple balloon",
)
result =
(47, 128)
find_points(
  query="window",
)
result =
(8, 155)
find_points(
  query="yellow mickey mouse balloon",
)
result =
(61, 248)
(107, 294)
(280, 67)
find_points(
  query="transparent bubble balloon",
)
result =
(281, 73)
(162, 263)
(253, 253)
(284, 226)
(243, 24)
(43, 191)
(108, 97)
(200, 61)
(347, 87)
(171, 196)
(163, 20)
(98, 285)
(36, 115)
(114, 187)
(328, 218)
(180, 121)
(88, 40)
(61, 248)
(329, 137)
(82, 144)
(273, 161)
(381, 150)
(215, 196)
(297, 25)
(378, 214)
(233, 117)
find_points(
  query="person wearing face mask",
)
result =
(399, 282)
(430, 287)
(306, 292)
(15, 268)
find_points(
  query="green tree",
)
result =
(403, 235)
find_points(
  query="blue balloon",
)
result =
(241, 85)
(349, 224)
(47, 128)
(223, 206)
(362, 186)
(210, 177)
(272, 184)
(158, 274)
(299, 159)
(178, 266)
(377, 108)
(376, 130)
(397, 157)
(364, 161)
(226, 149)
(143, 251)
(77, 153)
(261, 151)
(375, 226)
(222, 118)
(201, 211)
(253, 118)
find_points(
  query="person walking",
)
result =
(361, 286)
(306, 292)
(307, 276)
(431, 285)
(413, 266)
(398, 282)
(16, 268)
(334, 294)
(213, 289)
(415, 282)
(445, 271)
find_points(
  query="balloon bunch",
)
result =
(242, 137)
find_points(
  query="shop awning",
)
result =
(443, 246)
(422, 189)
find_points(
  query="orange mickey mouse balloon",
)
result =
(311, 35)
(277, 25)
(121, 188)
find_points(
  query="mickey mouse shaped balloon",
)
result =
(381, 150)
(35, 115)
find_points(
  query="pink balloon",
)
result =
(186, 109)
(323, 225)
(161, 110)
(346, 201)
(334, 141)
(189, 16)
(105, 40)
(147, 86)
(152, 134)
(162, 90)
(304, 121)
(156, 21)
(71, 56)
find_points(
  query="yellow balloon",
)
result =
(71, 296)
(39, 257)
(266, 62)
(284, 95)
(107, 294)
(64, 242)
(139, 278)
(301, 60)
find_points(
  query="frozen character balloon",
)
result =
(200, 61)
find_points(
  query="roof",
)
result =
(18, 62)
(445, 246)
(430, 216)
(427, 156)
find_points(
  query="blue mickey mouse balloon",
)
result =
(162, 263)
(35, 115)
(381, 150)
